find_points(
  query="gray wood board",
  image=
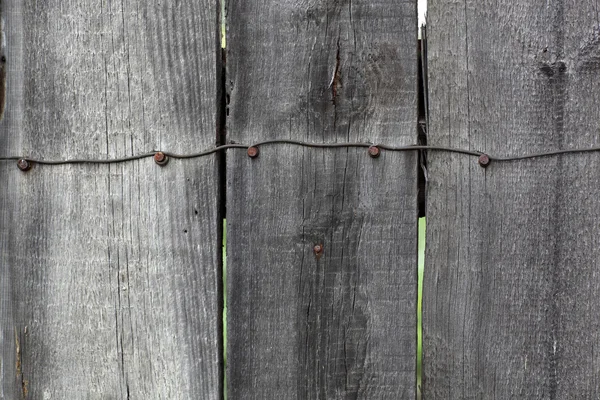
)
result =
(342, 325)
(511, 276)
(109, 275)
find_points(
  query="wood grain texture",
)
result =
(511, 276)
(109, 275)
(343, 325)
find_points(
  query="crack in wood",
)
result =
(336, 79)
(19, 365)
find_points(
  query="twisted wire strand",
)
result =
(304, 144)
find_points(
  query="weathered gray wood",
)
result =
(512, 280)
(342, 326)
(109, 275)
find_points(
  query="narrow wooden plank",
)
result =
(109, 275)
(511, 279)
(342, 325)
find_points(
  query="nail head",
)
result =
(318, 249)
(374, 151)
(484, 160)
(24, 165)
(161, 158)
(252, 151)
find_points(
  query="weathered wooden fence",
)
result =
(111, 273)
(511, 278)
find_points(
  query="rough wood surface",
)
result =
(511, 276)
(343, 325)
(109, 275)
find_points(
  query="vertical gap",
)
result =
(423, 123)
(222, 109)
(222, 139)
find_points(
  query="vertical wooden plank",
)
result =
(109, 274)
(512, 277)
(341, 325)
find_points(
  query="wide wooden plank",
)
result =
(109, 274)
(342, 324)
(511, 277)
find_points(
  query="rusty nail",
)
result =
(484, 160)
(24, 165)
(161, 158)
(374, 151)
(252, 151)
(318, 249)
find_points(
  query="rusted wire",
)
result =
(298, 143)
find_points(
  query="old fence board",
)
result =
(341, 325)
(109, 275)
(512, 280)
